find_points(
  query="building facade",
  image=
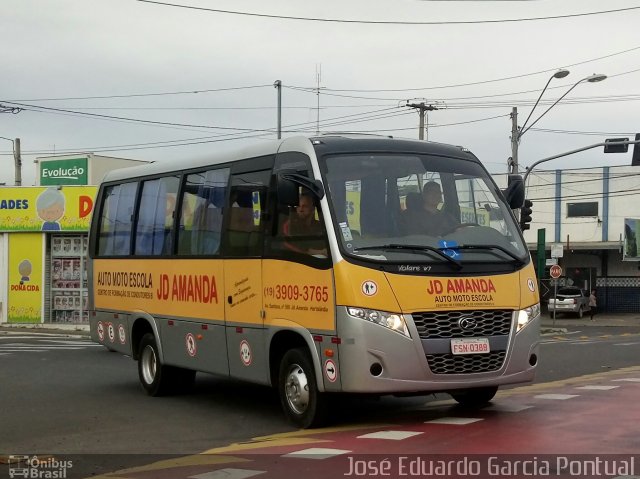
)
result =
(592, 212)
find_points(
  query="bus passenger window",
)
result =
(114, 236)
(247, 203)
(155, 216)
(202, 212)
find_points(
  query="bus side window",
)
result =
(246, 211)
(155, 216)
(200, 221)
(298, 231)
(114, 236)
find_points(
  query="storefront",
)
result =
(44, 238)
(43, 244)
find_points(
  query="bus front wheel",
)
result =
(301, 401)
(156, 378)
(475, 397)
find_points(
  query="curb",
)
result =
(75, 329)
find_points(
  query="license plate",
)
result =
(470, 346)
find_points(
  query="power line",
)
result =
(588, 133)
(483, 82)
(134, 95)
(210, 90)
(386, 22)
(397, 99)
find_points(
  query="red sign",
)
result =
(555, 271)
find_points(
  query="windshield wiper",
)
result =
(490, 247)
(418, 248)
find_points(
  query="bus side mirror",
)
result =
(514, 192)
(287, 187)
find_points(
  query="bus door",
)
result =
(243, 249)
(297, 276)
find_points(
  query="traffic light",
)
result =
(613, 148)
(525, 215)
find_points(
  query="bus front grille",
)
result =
(448, 324)
(473, 363)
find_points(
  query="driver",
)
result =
(429, 219)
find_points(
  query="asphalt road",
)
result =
(65, 395)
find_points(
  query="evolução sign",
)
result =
(64, 172)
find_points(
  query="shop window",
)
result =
(155, 216)
(203, 200)
(114, 237)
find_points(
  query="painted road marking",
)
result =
(317, 453)
(629, 380)
(20, 335)
(44, 344)
(627, 344)
(597, 388)
(556, 397)
(36, 350)
(228, 473)
(391, 435)
(76, 342)
(454, 421)
(506, 407)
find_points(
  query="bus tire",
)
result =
(303, 405)
(156, 378)
(475, 397)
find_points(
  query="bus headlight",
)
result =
(393, 321)
(527, 314)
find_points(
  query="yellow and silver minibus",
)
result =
(317, 266)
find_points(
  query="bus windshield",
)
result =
(423, 208)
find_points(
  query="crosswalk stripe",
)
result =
(20, 350)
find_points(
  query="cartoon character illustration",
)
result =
(25, 268)
(50, 206)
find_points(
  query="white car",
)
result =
(570, 299)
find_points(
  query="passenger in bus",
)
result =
(303, 232)
(425, 217)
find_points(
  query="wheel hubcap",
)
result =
(149, 364)
(297, 389)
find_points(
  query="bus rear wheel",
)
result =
(475, 397)
(156, 378)
(301, 401)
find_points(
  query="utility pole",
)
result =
(18, 161)
(278, 86)
(422, 107)
(512, 164)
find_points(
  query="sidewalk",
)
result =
(562, 322)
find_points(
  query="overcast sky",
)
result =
(58, 56)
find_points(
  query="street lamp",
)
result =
(596, 77)
(559, 74)
(517, 132)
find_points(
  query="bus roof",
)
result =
(338, 143)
